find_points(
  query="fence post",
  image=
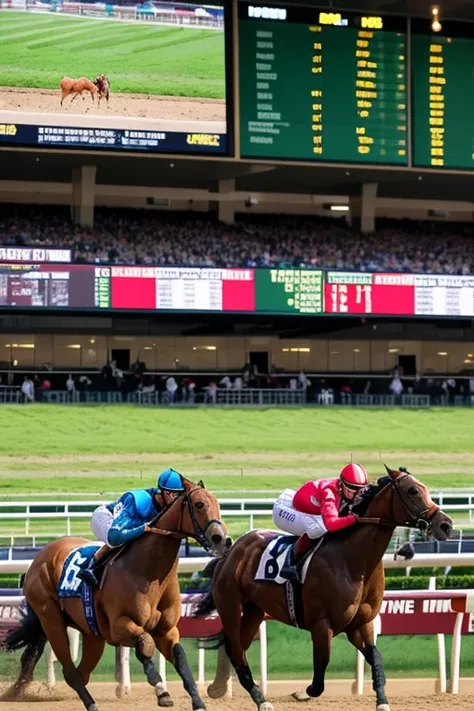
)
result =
(263, 657)
(456, 654)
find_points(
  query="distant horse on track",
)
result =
(76, 87)
(103, 86)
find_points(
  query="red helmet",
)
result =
(354, 475)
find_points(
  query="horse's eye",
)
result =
(199, 505)
(413, 491)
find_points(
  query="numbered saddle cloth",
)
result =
(277, 556)
(70, 585)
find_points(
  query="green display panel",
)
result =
(322, 86)
(296, 291)
(443, 96)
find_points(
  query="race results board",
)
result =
(443, 95)
(310, 292)
(318, 85)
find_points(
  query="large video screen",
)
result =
(142, 76)
(307, 292)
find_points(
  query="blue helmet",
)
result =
(170, 480)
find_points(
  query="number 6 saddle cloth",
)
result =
(275, 562)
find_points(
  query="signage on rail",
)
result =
(265, 291)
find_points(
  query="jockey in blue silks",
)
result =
(126, 518)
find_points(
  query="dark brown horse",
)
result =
(342, 592)
(138, 604)
(103, 87)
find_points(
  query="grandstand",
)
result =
(251, 266)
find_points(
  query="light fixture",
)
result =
(467, 360)
(356, 350)
(394, 350)
(20, 345)
(339, 208)
(92, 340)
(442, 353)
(204, 348)
(334, 352)
(147, 348)
(435, 23)
(75, 346)
(470, 355)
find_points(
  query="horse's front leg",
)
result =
(169, 646)
(321, 634)
(363, 639)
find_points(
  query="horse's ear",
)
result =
(391, 472)
(201, 484)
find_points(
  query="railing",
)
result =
(254, 397)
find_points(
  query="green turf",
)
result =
(36, 51)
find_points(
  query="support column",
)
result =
(83, 195)
(225, 210)
(362, 208)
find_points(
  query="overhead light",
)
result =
(147, 348)
(442, 353)
(467, 360)
(339, 208)
(470, 355)
(334, 352)
(92, 340)
(300, 350)
(356, 350)
(76, 346)
(20, 345)
(285, 350)
(394, 350)
(435, 23)
(204, 348)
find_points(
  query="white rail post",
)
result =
(456, 654)
(441, 684)
(263, 658)
(202, 666)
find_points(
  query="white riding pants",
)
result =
(101, 521)
(296, 522)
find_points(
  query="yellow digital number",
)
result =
(371, 23)
(330, 18)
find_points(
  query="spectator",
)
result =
(396, 386)
(171, 388)
(211, 394)
(226, 382)
(238, 383)
(70, 386)
(28, 390)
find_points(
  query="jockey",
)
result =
(319, 506)
(127, 517)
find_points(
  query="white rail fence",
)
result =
(68, 511)
(197, 564)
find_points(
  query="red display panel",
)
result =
(359, 293)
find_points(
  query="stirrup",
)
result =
(88, 576)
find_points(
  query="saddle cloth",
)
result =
(277, 555)
(71, 586)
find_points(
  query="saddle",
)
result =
(104, 557)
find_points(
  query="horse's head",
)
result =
(200, 518)
(413, 506)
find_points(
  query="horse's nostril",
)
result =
(228, 542)
(446, 527)
(216, 538)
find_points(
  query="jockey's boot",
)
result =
(87, 574)
(301, 547)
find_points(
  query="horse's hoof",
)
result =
(313, 691)
(165, 700)
(300, 696)
(266, 706)
(383, 707)
(216, 692)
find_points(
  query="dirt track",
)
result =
(143, 699)
(123, 111)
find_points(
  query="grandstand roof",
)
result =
(450, 9)
(56, 167)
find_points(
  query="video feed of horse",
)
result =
(93, 73)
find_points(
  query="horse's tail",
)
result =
(207, 604)
(29, 631)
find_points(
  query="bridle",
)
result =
(418, 519)
(421, 519)
(199, 532)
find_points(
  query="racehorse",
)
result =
(76, 87)
(342, 591)
(138, 604)
(103, 86)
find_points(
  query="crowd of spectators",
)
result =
(192, 239)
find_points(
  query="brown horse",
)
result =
(138, 604)
(342, 592)
(76, 87)
(103, 87)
